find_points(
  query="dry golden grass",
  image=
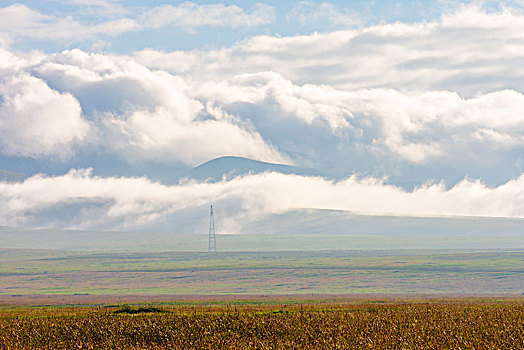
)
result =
(361, 325)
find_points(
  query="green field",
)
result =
(498, 272)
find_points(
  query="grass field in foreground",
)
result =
(447, 324)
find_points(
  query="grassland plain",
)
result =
(24, 272)
(261, 300)
(365, 324)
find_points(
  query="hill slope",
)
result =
(297, 230)
(229, 167)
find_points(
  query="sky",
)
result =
(393, 107)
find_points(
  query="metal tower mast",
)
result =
(212, 247)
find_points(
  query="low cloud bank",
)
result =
(80, 200)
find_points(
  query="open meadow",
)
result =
(332, 299)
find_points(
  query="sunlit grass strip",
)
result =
(467, 324)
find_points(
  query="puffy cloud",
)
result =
(147, 114)
(498, 139)
(385, 99)
(415, 126)
(36, 120)
(377, 97)
(165, 136)
(130, 202)
(9, 62)
(133, 111)
(468, 51)
(307, 103)
(178, 61)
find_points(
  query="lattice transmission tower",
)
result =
(212, 247)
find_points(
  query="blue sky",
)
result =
(287, 19)
(393, 107)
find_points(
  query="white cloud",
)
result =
(128, 202)
(415, 126)
(308, 13)
(9, 62)
(189, 15)
(499, 139)
(146, 114)
(163, 135)
(100, 45)
(105, 4)
(469, 51)
(420, 93)
(445, 93)
(138, 113)
(178, 61)
(38, 121)
(98, 8)
(153, 114)
(19, 21)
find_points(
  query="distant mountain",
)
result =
(229, 167)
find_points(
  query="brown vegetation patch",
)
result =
(375, 324)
